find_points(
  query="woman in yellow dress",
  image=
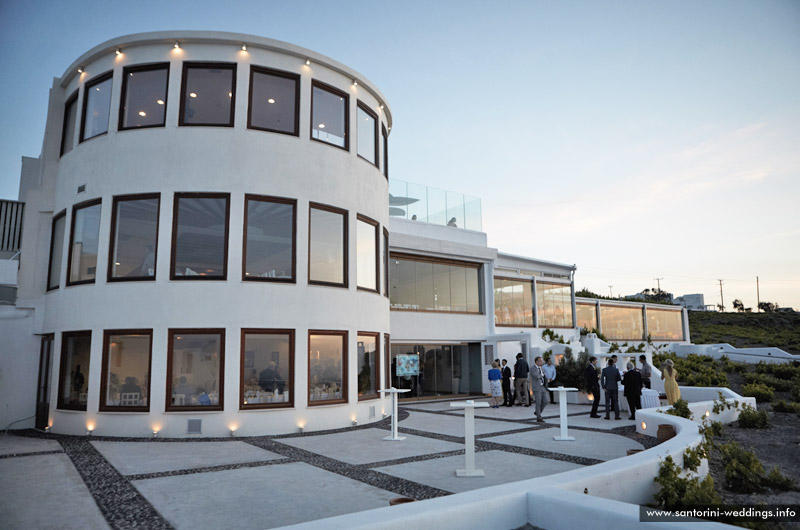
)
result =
(670, 376)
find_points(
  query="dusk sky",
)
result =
(637, 140)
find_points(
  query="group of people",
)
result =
(539, 377)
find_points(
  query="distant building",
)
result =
(693, 302)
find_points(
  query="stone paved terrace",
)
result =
(52, 481)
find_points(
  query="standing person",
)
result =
(539, 387)
(670, 377)
(590, 374)
(608, 380)
(494, 384)
(632, 381)
(645, 370)
(521, 381)
(550, 374)
(508, 396)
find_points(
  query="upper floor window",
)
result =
(144, 96)
(366, 253)
(554, 305)
(96, 106)
(125, 383)
(269, 238)
(664, 324)
(622, 322)
(274, 98)
(134, 237)
(200, 236)
(56, 250)
(385, 151)
(586, 316)
(73, 380)
(68, 128)
(513, 302)
(367, 134)
(329, 120)
(427, 284)
(327, 245)
(82, 259)
(208, 94)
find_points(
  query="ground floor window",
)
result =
(73, 382)
(435, 369)
(126, 370)
(195, 365)
(368, 365)
(327, 367)
(267, 368)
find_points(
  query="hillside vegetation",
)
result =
(746, 330)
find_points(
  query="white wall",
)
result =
(19, 368)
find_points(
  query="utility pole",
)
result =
(659, 282)
(758, 297)
(721, 299)
(610, 295)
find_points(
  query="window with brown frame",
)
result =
(274, 101)
(513, 302)
(386, 362)
(195, 369)
(73, 380)
(70, 120)
(327, 367)
(329, 115)
(208, 94)
(553, 305)
(368, 364)
(134, 237)
(385, 152)
(267, 369)
(143, 102)
(385, 262)
(367, 243)
(327, 245)
(56, 250)
(84, 239)
(96, 106)
(270, 249)
(421, 283)
(200, 236)
(367, 131)
(125, 383)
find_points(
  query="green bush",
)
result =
(780, 385)
(750, 418)
(570, 370)
(777, 481)
(678, 492)
(784, 371)
(796, 391)
(760, 391)
(743, 471)
(783, 406)
(680, 408)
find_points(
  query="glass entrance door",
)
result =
(43, 385)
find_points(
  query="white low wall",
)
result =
(746, 355)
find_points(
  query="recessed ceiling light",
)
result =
(142, 113)
(270, 100)
(244, 47)
(117, 52)
(192, 95)
(321, 125)
(160, 101)
(177, 46)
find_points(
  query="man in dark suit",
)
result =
(632, 381)
(508, 396)
(608, 380)
(539, 387)
(521, 381)
(592, 386)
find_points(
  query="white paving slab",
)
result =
(14, 445)
(136, 458)
(598, 445)
(365, 446)
(454, 425)
(259, 497)
(45, 491)
(500, 467)
(594, 423)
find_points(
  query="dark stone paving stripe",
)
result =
(209, 469)
(35, 453)
(410, 459)
(120, 503)
(406, 488)
(479, 416)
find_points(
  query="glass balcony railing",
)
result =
(416, 202)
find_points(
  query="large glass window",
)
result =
(430, 369)
(144, 96)
(200, 236)
(208, 94)
(621, 322)
(126, 370)
(56, 250)
(82, 261)
(664, 324)
(73, 382)
(269, 238)
(327, 245)
(68, 128)
(367, 134)
(513, 302)
(329, 115)
(327, 367)
(96, 106)
(367, 253)
(274, 98)
(368, 365)
(385, 152)
(554, 305)
(586, 315)
(427, 284)
(195, 369)
(134, 238)
(267, 368)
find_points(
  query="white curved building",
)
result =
(219, 209)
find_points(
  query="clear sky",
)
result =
(637, 140)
